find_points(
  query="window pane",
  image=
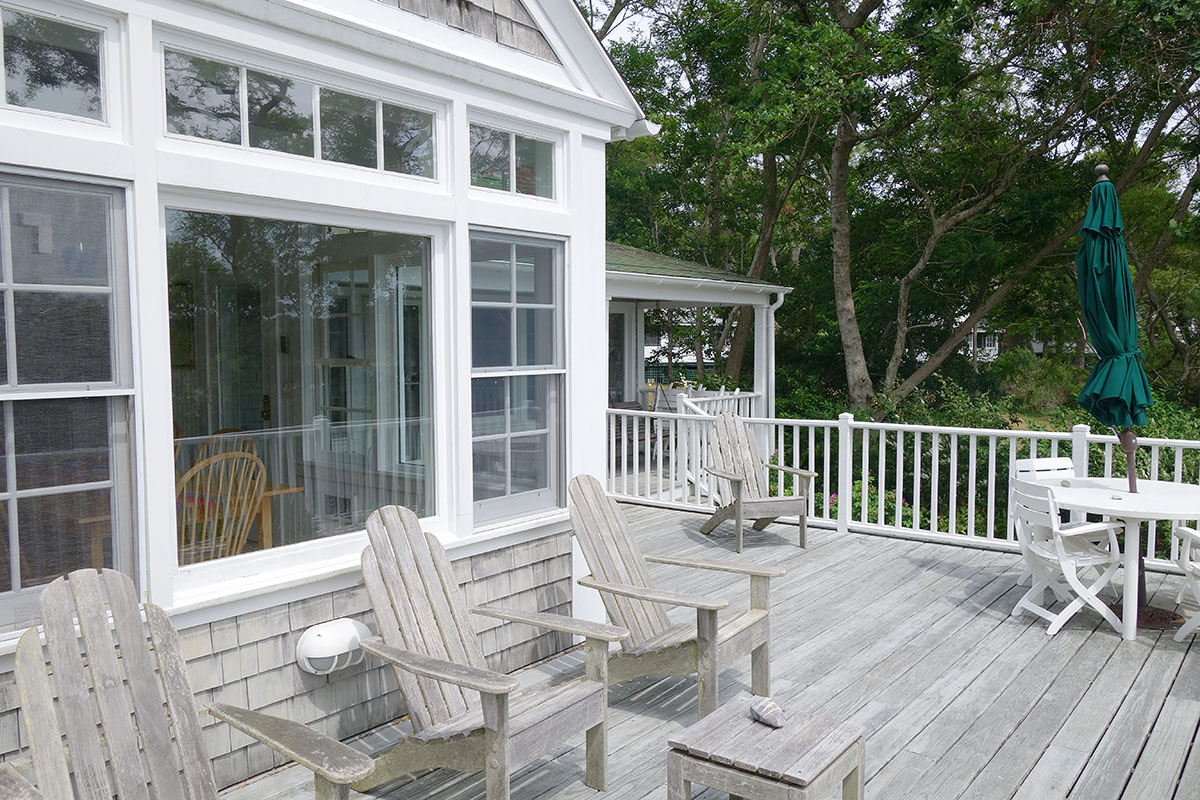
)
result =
(487, 406)
(307, 346)
(45, 321)
(347, 128)
(535, 336)
(61, 442)
(280, 112)
(64, 532)
(59, 237)
(203, 98)
(491, 271)
(489, 157)
(530, 463)
(530, 396)
(491, 337)
(3, 343)
(535, 274)
(535, 167)
(407, 141)
(489, 468)
(51, 66)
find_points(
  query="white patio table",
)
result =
(1111, 497)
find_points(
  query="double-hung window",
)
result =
(65, 387)
(516, 376)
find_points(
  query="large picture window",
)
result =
(302, 350)
(65, 484)
(516, 347)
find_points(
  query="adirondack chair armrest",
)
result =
(1188, 534)
(481, 680)
(736, 569)
(557, 622)
(733, 477)
(663, 596)
(337, 763)
(15, 787)
(803, 473)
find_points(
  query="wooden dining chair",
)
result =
(216, 503)
(227, 440)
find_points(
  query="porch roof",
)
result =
(635, 274)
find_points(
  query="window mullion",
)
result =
(6, 256)
(10, 483)
(244, 105)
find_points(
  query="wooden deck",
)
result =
(913, 642)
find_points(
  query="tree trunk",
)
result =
(858, 379)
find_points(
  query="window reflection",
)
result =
(50, 65)
(307, 346)
(280, 112)
(347, 128)
(203, 98)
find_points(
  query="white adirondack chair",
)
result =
(1188, 561)
(1060, 554)
(465, 716)
(96, 723)
(742, 484)
(655, 646)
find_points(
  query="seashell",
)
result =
(768, 712)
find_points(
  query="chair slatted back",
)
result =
(614, 557)
(216, 503)
(733, 449)
(1034, 511)
(227, 440)
(97, 720)
(1033, 469)
(419, 607)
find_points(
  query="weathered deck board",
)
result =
(911, 641)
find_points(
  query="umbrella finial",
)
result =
(1101, 173)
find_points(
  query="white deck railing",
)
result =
(916, 481)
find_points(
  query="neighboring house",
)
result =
(639, 280)
(361, 243)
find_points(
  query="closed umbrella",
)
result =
(1117, 392)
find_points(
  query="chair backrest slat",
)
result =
(161, 758)
(217, 501)
(40, 719)
(429, 611)
(1032, 469)
(74, 696)
(613, 556)
(113, 704)
(197, 771)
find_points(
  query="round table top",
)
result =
(1111, 497)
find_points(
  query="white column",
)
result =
(764, 359)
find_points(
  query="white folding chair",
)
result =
(1059, 555)
(1189, 562)
(1036, 469)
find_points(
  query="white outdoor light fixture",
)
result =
(331, 646)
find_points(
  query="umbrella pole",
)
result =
(1128, 442)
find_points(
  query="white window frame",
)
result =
(492, 510)
(555, 138)
(19, 605)
(244, 59)
(256, 574)
(112, 90)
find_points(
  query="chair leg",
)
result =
(325, 790)
(706, 660)
(596, 669)
(737, 515)
(495, 755)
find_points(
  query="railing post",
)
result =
(1080, 449)
(845, 481)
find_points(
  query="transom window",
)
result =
(222, 102)
(300, 372)
(65, 394)
(516, 346)
(51, 65)
(511, 162)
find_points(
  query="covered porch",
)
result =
(914, 642)
(638, 281)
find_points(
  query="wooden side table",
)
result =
(808, 758)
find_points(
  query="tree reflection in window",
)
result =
(51, 66)
(407, 141)
(280, 112)
(347, 128)
(490, 157)
(203, 98)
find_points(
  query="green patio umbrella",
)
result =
(1117, 392)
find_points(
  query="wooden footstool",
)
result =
(809, 758)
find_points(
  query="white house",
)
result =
(360, 246)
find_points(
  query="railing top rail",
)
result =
(1000, 432)
(789, 422)
(629, 412)
(1144, 441)
(720, 398)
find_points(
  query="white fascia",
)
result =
(693, 291)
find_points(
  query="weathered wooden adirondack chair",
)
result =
(461, 712)
(655, 646)
(109, 666)
(742, 484)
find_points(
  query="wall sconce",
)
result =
(331, 646)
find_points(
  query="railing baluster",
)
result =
(971, 485)
(899, 482)
(936, 459)
(916, 482)
(991, 483)
(865, 477)
(880, 480)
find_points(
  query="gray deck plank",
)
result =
(912, 641)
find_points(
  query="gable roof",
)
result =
(639, 274)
